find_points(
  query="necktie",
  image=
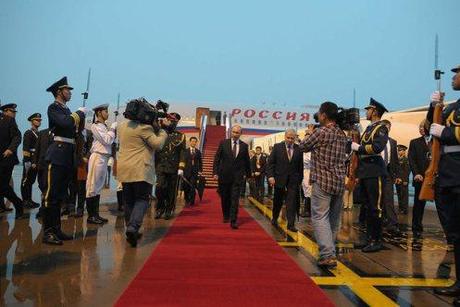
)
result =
(289, 152)
(193, 156)
(385, 155)
(234, 149)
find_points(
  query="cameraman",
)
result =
(136, 169)
(328, 146)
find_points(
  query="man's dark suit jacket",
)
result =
(228, 168)
(280, 168)
(192, 168)
(393, 168)
(10, 138)
(418, 156)
(262, 162)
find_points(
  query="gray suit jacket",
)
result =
(138, 144)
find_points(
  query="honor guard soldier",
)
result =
(402, 187)
(169, 163)
(60, 157)
(101, 151)
(10, 138)
(372, 173)
(447, 190)
(29, 173)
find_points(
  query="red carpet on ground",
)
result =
(203, 262)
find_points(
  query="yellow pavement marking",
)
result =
(288, 244)
(363, 287)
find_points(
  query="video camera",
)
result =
(144, 112)
(346, 118)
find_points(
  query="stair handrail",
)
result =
(228, 126)
(203, 124)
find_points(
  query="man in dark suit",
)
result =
(402, 188)
(285, 173)
(193, 168)
(419, 160)
(258, 164)
(390, 157)
(10, 138)
(231, 166)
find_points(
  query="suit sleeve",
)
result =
(217, 158)
(271, 163)
(37, 149)
(413, 161)
(253, 164)
(200, 162)
(156, 142)
(26, 144)
(450, 136)
(247, 162)
(15, 136)
(395, 168)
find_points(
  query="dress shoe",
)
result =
(63, 236)
(456, 302)
(274, 223)
(5, 209)
(65, 212)
(372, 247)
(360, 245)
(453, 290)
(94, 220)
(168, 215)
(51, 238)
(403, 212)
(132, 238)
(102, 219)
(329, 263)
(39, 213)
(417, 235)
(226, 220)
(395, 233)
(234, 225)
(78, 214)
(292, 228)
(19, 214)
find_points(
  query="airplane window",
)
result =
(247, 121)
(289, 124)
(283, 123)
(265, 122)
(253, 121)
(260, 122)
(295, 124)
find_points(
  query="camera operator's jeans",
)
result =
(136, 196)
(326, 212)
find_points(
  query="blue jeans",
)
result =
(325, 216)
(136, 196)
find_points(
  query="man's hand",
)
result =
(34, 166)
(257, 174)
(180, 172)
(437, 97)
(436, 130)
(215, 177)
(114, 126)
(354, 146)
(166, 122)
(7, 153)
(418, 178)
(398, 181)
(271, 181)
(83, 109)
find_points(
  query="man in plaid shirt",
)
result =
(328, 146)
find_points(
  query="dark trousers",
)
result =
(230, 199)
(42, 178)
(269, 189)
(28, 179)
(389, 210)
(136, 197)
(259, 189)
(291, 197)
(418, 209)
(190, 190)
(56, 193)
(403, 196)
(166, 191)
(445, 200)
(371, 194)
(449, 199)
(7, 191)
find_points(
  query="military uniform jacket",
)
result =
(404, 169)
(10, 138)
(172, 156)
(29, 145)
(449, 164)
(373, 142)
(45, 138)
(62, 123)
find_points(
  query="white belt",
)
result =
(64, 140)
(103, 154)
(450, 149)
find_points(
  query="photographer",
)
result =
(328, 145)
(136, 167)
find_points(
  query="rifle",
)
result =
(114, 148)
(427, 191)
(351, 182)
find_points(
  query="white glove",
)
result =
(27, 165)
(114, 126)
(436, 98)
(436, 130)
(180, 172)
(355, 146)
(83, 109)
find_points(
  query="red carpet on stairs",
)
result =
(203, 262)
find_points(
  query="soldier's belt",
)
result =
(450, 149)
(32, 150)
(64, 140)
(369, 156)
